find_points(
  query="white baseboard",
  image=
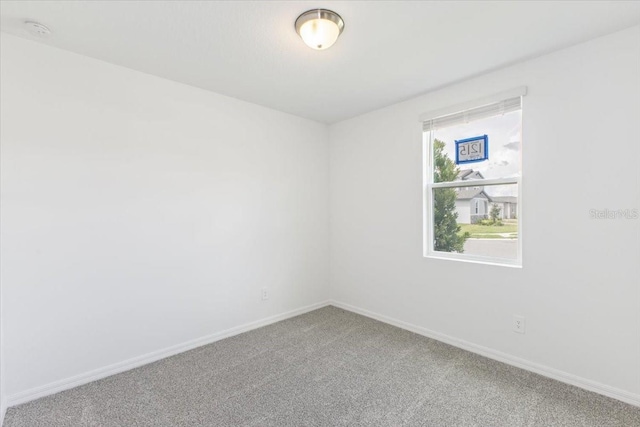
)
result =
(615, 393)
(87, 377)
(116, 368)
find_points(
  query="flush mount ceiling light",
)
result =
(319, 28)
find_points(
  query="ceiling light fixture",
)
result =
(319, 28)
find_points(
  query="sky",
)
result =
(505, 137)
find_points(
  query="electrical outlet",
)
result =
(265, 294)
(518, 324)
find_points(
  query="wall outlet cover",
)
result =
(518, 324)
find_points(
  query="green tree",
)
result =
(445, 218)
(494, 213)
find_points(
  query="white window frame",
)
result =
(429, 186)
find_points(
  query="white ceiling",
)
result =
(388, 52)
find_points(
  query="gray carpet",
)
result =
(329, 367)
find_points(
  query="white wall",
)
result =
(139, 213)
(463, 208)
(579, 287)
(3, 403)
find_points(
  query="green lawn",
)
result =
(491, 231)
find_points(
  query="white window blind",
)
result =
(461, 117)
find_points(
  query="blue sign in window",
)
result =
(471, 150)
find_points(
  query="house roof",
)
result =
(463, 173)
(466, 174)
(472, 193)
(505, 199)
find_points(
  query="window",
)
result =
(472, 168)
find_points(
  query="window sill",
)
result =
(500, 262)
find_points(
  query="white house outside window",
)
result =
(472, 175)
